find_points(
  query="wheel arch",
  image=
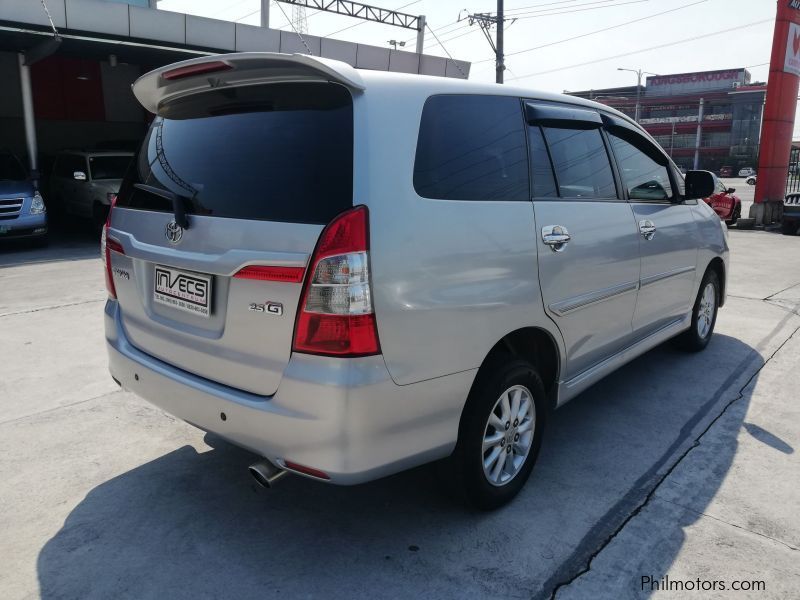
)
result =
(536, 345)
(718, 266)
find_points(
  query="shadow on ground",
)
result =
(68, 239)
(191, 524)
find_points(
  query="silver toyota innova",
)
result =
(351, 273)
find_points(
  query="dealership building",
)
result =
(67, 66)
(705, 120)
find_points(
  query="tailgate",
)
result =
(227, 180)
(237, 343)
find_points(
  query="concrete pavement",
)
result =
(679, 465)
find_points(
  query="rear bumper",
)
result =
(345, 417)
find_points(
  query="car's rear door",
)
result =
(667, 231)
(259, 170)
(587, 237)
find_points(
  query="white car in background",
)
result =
(747, 172)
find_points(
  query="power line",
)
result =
(596, 31)
(460, 23)
(658, 47)
(446, 52)
(522, 8)
(576, 10)
(457, 22)
(227, 8)
(538, 9)
(455, 37)
(302, 39)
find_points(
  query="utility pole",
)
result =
(420, 33)
(672, 139)
(485, 21)
(501, 61)
(639, 74)
(699, 137)
(265, 13)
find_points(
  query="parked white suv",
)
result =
(83, 182)
(351, 273)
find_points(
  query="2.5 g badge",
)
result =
(271, 308)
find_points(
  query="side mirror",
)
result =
(730, 190)
(79, 176)
(699, 184)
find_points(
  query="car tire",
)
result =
(489, 416)
(737, 213)
(788, 227)
(704, 315)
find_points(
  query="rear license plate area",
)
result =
(183, 290)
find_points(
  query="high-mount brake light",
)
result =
(213, 66)
(107, 246)
(335, 316)
(268, 273)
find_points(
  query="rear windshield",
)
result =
(109, 167)
(277, 152)
(11, 169)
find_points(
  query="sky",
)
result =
(719, 34)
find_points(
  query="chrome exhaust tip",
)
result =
(265, 473)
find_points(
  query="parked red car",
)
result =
(725, 203)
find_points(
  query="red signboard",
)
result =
(705, 76)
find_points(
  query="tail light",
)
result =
(107, 246)
(335, 316)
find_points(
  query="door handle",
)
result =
(556, 236)
(647, 228)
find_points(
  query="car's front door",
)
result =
(72, 189)
(588, 244)
(668, 234)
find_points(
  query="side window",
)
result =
(581, 163)
(62, 166)
(644, 177)
(69, 163)
(80, 165)
(472, 148)
(544, 184)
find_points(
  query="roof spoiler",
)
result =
(162, 85)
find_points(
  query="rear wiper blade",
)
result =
(178, 202)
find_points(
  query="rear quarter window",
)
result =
(472, 148)
(276, 152)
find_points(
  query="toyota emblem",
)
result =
(174, 232)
